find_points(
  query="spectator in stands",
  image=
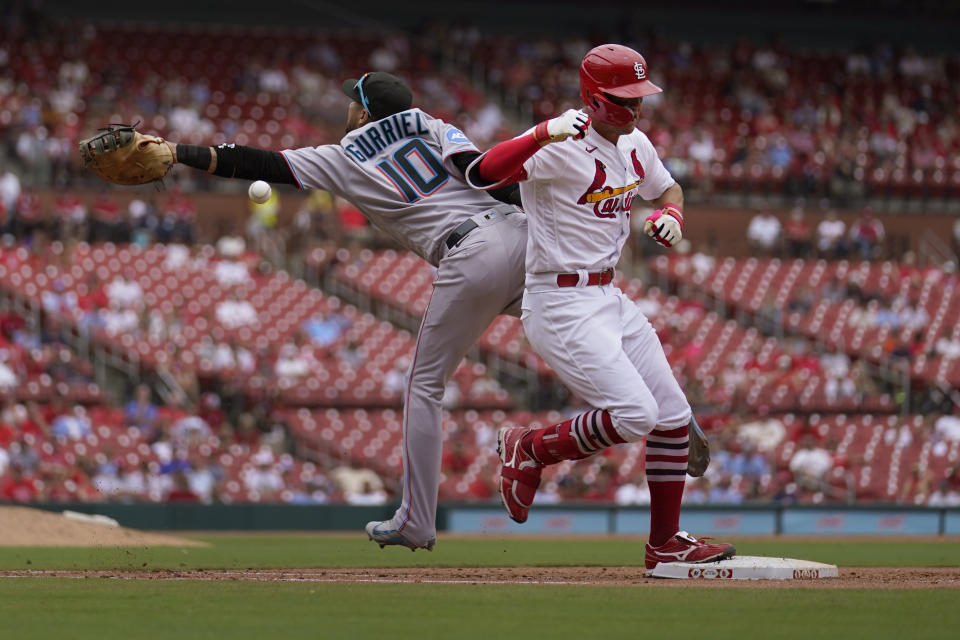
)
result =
(697, 491)
(798, 235)
(8, 378)
(956, 236)
(839, 388)
(317, 218)
(948, 347)
(230, 272)
(324, 331)
(10, 189)
(948, 490)
(140, 412)
(108, 222)
(190, 430)
(176, 222)
(18, 486)
(263, 478)
(831, 241)
(763, 233)
(749, 462)
(866, 235)
(74, 425)
(235, 312)
(456, 458)
(23, 455)
(124, 292)
(723, 492)
(202, 478)
(181, 491)
(629, 493)
(117, 320)
(246, 432)
(292, 363)
(395, 380)
(186, 378)
(368, 494)
(810, 464)
(918, 486)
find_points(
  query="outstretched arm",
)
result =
(234, 161)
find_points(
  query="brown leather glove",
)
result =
(122, 155)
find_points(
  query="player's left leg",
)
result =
(668, 447)
(476, 281)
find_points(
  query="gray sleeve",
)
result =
(452, 141)
(322, 167)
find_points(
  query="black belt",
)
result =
(460, 233)
(465, 227)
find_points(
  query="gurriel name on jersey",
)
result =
(377, 136)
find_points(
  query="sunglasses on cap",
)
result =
(364, 100)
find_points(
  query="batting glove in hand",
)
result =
(665, 225)
(570, 123)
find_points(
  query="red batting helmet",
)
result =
(616, 70)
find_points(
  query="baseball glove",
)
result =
(122, 155)
(699, 454)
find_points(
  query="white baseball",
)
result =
(259, 191)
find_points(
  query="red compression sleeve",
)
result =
(506, 159)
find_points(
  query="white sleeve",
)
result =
(656, 178)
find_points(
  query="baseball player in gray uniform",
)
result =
(404, 170)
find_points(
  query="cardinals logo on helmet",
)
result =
(606, 201)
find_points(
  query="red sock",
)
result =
(573, 439)
(666, 461)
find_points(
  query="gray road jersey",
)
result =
(398, 172)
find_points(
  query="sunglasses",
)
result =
(364, 100)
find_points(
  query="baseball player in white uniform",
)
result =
(579, 174)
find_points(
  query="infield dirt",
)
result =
(858, 578)
(25, 527)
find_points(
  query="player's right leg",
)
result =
(476, 281)
(578, 334)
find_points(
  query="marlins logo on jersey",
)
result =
(608, 201)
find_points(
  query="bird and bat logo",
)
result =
(609, 201)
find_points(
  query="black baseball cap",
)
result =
(381, 93)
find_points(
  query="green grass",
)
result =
(110, 608)
(281, 552)
(98, 608)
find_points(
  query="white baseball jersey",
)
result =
(398, 172)
(578, 195)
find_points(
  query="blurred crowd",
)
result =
(840, 124)
(812, 123)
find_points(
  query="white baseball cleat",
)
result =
(383, 534)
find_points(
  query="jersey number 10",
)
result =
(414, 170)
